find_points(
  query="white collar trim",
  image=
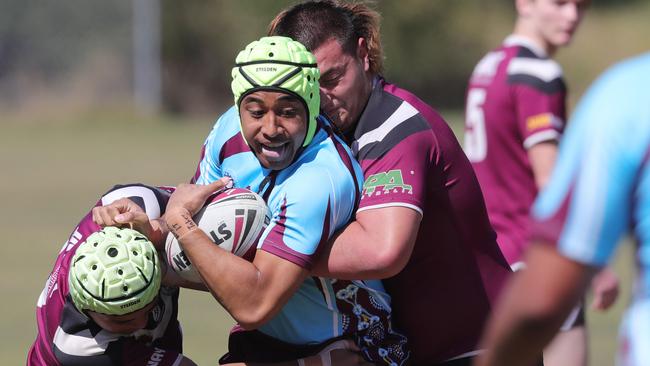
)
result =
(519, 40)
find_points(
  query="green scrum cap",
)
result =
(279, 64)
(115, 272)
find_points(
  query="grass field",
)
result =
(53, 172)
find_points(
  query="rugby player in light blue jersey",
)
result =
(599, 190)
(274, 142)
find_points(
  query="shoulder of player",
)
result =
(623, 85)
(78, 338)
(539, 72)
(225, 126)
(225, 138)
(391, 118)
(408, 127)
(314, 172)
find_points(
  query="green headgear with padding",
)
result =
(115, 271)
(279, 64)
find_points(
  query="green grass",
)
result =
(52, 173)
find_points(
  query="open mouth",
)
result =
(274, 151)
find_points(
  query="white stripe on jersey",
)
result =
(546, 70)
(151, 205)
(401, 114)
(542, 136)
(488, 66)
(178, 361)
(518, 40)
(83, 343)
(392, 204)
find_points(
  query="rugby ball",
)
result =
(234, 219)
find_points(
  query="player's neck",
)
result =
(522, 30)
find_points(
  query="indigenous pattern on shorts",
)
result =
(309, 201)
(369, 318)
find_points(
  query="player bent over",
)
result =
(103, 303)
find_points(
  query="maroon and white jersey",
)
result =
(515, 100)
(411, 158)
(69, 337)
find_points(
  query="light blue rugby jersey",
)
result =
(309, 201)
(600, 188)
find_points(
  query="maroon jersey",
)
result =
(69, 337)
(411, 158)
(515, 99)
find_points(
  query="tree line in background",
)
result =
(430, 46)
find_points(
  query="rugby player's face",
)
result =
(123, 324)
(274, 125)
(345, 83)
(556, 20)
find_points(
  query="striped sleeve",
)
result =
(539, 94)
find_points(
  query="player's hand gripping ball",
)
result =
(234, 220)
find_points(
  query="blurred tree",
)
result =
(200, 42)
(431, 46)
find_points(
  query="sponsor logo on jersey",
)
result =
(386, 182)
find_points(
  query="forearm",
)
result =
(235, 283)
(159, 232)
(519, 342)
(532, 307)
(243, 289)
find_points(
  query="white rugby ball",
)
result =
(234, 220)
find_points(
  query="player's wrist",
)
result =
(158, 232)
(179, 222)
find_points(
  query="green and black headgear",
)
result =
(279, 64)
(115, 271)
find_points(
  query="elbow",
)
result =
(250, 322)
(252, 318)
(389, 260)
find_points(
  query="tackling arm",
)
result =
(378, 244)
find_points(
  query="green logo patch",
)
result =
(387, 181)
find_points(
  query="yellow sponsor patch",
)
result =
(539, 121)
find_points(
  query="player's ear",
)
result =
(524, 7)
(362, 53)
